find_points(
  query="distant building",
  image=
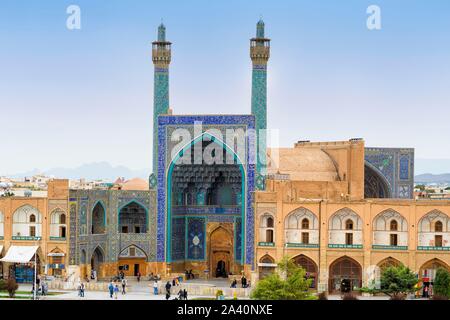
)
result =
(40, 222)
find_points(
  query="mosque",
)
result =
(220, 202)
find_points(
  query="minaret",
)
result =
(161, 56)
(259, 53)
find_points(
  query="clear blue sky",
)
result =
(72, 97)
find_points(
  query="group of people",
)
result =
(42, 287)
(244, 283)
(189, 274)
(114, 288)
(182, 293)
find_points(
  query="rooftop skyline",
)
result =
(79, 96)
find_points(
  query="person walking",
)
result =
(116, 291)
(124, 285)
(79, 289)
(168, 286)
(138, 276)
(185, 294)
(155, 288)
(82, 290)
(111, 289)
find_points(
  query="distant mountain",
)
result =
(432, 178)
(90, 171)
(431, 166)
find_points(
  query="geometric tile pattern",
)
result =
(112, 242)
(220, 122)
(397, 166)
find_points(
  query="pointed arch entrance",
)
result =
(427, 273)
(345, 275)
(97, 260)
(132, 261)
(310, 267)
(221, 252)
(388, 262)
(201, 195)
(266, 266)
(98, 223)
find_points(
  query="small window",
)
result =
(137, 229)
(349, 239)
(305, 224)
(62, 232)
(269, 235)
(62, 219)
(269, 222)
(32, 218)
(438, 226)
(132, 252)
(394, 225)
(32, 231)
(349, 224)
(438, 241)
(124, 229)
(394, 239)
(305, 237)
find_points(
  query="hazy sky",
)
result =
(69, 97)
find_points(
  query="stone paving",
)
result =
(144, 291)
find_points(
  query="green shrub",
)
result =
(292, 286)
(441, 285)
(2, 285)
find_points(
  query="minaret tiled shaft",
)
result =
(259, 53)
(161, 56)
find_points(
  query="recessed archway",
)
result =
(388, 262)
(221, 252)
(98, 223)
(132, 261)
(216, 190)
(133, 218)
(375, 184)
(310, 267)
(427, 273)
(97, 260)
(345, 275)
(266, 266)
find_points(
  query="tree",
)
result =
(292, 284)
(396, 282)
(421, 187)
(441, 284)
